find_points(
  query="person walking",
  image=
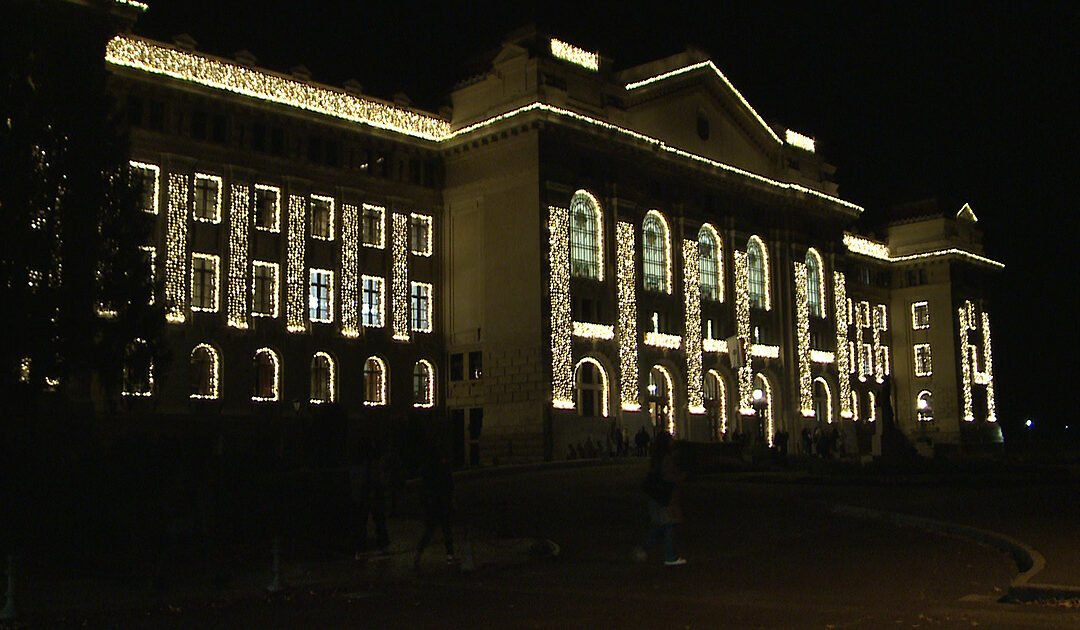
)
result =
(661, 486)
(437, 498)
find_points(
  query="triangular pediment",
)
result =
(967, 214)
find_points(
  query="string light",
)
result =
(380, 230)
(605, 393)
(295, 316)
(314, 300)
(721, 400)
(275, 224)
(799, 141)
(215, 214)
(142, 6)
(855, 406)
(742, 328)
(663, 340)
(587, 330)
(215, 265)
(562, 375)
(714, 345)
(585, 197)
(925, 368)
(920, 315)
(376, 366)
(215, 364)
(695, 399)
(843, 355)
(669, 389)
(880, 325)
(706, 227)
(822, 279)
(424, 221)
(965, 362)
(272, 290)
(127, 375)
(828, 400)
(399, 280)
(176, 231)
(151, 258)
(764, 351)
(875, 249)
(862, 245)
(871, 401)
(328, 203)
(380, 304)
(821, 356)
(239, 206)
(707, 64)
(156, 176)
(988, 358)
(575, 55)
(133, 52)
(765, 269)
(627, 287)
(667, 247)
(331, 389)
(428, 400)
(274, 389)
(423, 288)
(767, 395)
(349, 271)
(802, 333)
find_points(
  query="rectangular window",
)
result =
(145, 179)
(852, 363)
(204, 282)
(420, 306)
(151, 262)
(476, 365)
(882, 317)
(457, 366)
(420, 234)
(322, 217)
(207, 198)
(866, 356)
(321, 296)
(920, 315)
(371, 310)
(267, 208)
(372, 232)
(264, 289)
(923, 366)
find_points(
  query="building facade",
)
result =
(575, 249)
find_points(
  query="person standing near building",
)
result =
(661, 486)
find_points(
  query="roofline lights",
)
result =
(575, 55)
(799, 141)
(710, 64)
(873, 249)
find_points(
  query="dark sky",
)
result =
(969, 105)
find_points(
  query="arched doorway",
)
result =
(661, 400)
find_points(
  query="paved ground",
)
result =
(765, 551)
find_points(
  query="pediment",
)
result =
(967, 214)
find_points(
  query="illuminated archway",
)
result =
(662, 399)
(592, 390)
(823, 407)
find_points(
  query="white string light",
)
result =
(399, 281)
(239, 205)
(295, 285)
(176, 238)
(575, 55)
(350, 269)
(695, 399)
(626, 284)
(562, 374)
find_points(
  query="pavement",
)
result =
(767, 549)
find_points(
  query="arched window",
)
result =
(757, 261)
(815, 288)
(423, 384)
(715, 403)
(871, 407)
(709, 263)
(855, 405)
(591, 388)
(204, 371)
(374, 382)
(822, 401)
(662, 399)
(138, 370)
(267, 370)
(322, 378)
(586, 237)
(924, 406)
(656, 250)
(763, 403)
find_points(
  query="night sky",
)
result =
(977, 106)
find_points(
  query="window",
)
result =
(138, 369)
(322, 217)
(866, 355)
(264, 289)
(871, 407)
(924, 406)
(372, 222)
(267, 208)
(420, 306)
(204, 282)
(320, 296)
(923, 366)
(374, 382)
(204, 372)
(815, 293)
(709, 262)
(457, 366)
(207, 198)
(822, 401)
(371, 309)
(586, 237)
(145, 180)
(322, 378)
(757, 273)
(715, 395)
(266, 375)
(423, 378)
(661, 399)
(591, 389)
(476, 365)
(420, 234)
(657, 252)
(920, 315)
(151, 263)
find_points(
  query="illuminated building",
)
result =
(560, 254)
